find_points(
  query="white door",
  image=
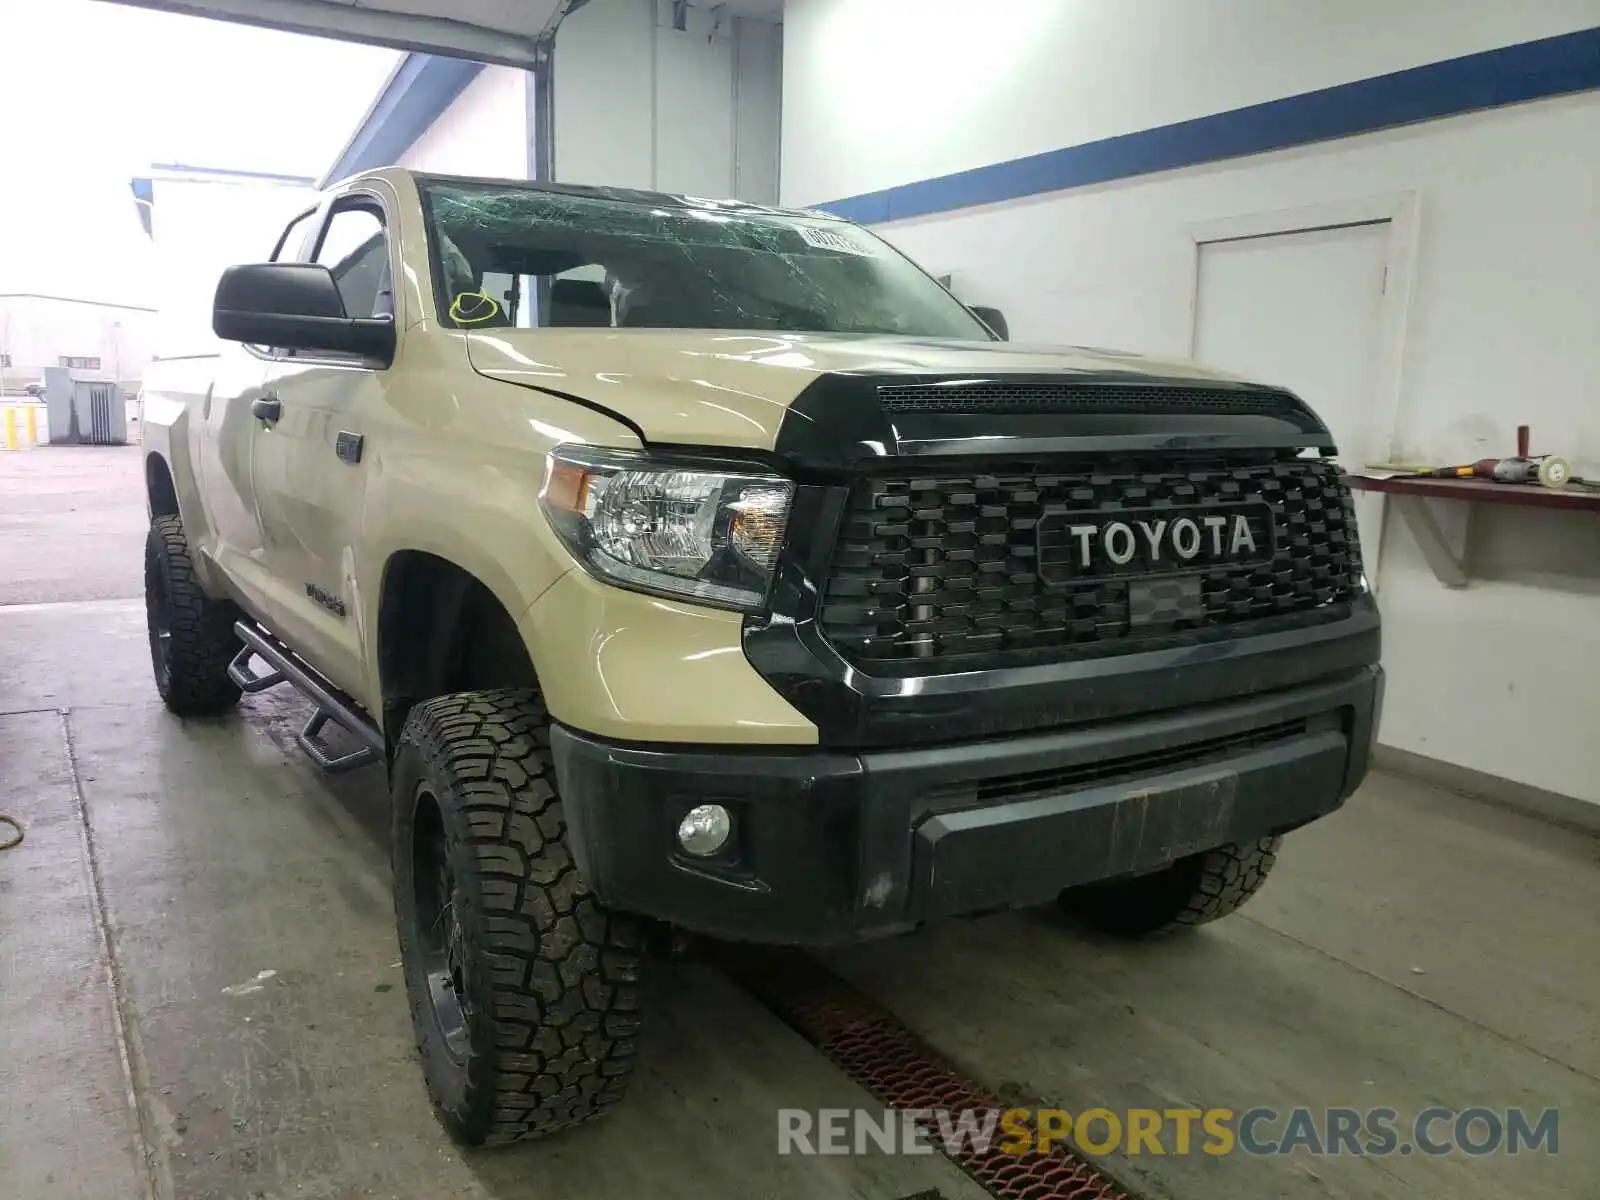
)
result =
(1302, 310)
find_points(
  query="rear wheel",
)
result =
(524, 991)
(1192, 891)
(192, 640)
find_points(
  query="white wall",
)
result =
(605, 94)
(1507, 295)
(637, 104)
(883, 92)
(757, 109)
(640, 104)
(1501, 677)
(483, 132)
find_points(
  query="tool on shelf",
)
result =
(1546, 470)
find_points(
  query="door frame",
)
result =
(1402, 212)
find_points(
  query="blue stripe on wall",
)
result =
(416, 94)
(1528, 71)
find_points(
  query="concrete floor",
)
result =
(1417, 949)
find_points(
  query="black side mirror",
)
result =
(296, 306)
(994, 319)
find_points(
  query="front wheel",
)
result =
(524, 991)
(192, 639)
(1192, 891)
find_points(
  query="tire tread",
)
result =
(203, 638)
(560, 973)
(1229, 876)
(1191, 892)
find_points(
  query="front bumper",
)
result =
(831, 846)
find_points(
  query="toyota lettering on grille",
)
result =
(1129, 543)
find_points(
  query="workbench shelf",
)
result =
(1445, 552)
(1480, 491)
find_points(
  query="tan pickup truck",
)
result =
(709, 567)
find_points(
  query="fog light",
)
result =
(704, 829)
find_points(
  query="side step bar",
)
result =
(332, 704)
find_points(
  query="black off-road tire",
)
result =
(191, 635)
(1192, 891)
(524, 991)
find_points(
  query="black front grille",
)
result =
(1022, 397)
(955, 564)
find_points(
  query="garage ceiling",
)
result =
(495, 31)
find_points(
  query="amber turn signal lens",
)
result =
(758, 521)
(568, 487)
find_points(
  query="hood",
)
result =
(736, 389)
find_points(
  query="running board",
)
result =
(332, 704)
(246, 678)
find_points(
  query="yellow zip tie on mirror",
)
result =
(473, 308)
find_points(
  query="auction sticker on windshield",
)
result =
(829, 239)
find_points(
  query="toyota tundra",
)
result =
(708, 567)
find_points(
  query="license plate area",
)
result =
(1025, 850)
(1165, 602)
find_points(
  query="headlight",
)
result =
(696, 531)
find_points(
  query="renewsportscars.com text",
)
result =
(1370, 1132)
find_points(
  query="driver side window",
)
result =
(353, 246)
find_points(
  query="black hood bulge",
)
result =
(850, 421)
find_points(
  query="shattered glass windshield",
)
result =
(514, 256)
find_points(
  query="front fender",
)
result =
(638, 668)
(462, 482)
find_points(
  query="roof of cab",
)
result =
(599, 192)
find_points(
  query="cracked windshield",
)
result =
(510, 256)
